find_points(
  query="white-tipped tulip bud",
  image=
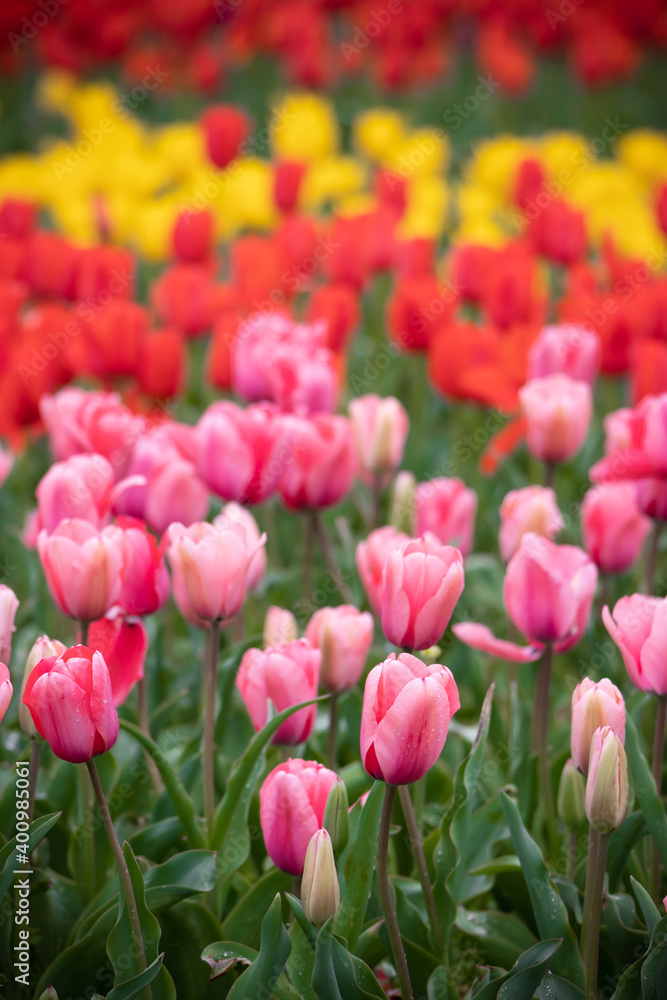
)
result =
(320, 892)
(607, 785)
(42, 648)
(402, 506)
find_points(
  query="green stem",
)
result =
(541, 744)
(652, 557)
(84, 633)
(656, 770)
(549, 474)
(598, 845)
(333, 731)
(330, 558)
(420, 861)
(377, 498)
(88, 834)
(123, 871)
(384, 889)
(211, 682)
(33, 771)
(145, 726)
(310, 531)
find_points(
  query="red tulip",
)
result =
(123, 644)
(145, 579)
(225, 129)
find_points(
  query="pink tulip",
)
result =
(172, 492)
(570, 350)
(420, 586)
(83, 567)
(548, 593)
(292, 801)
(9, 605)
(123, 643)
(533, 508)
(240, 520)
(344, 636)
(557, 411)
(380, 429)
(285, 362)
(6, 690)
(42, 647)
(320, 462)
(612, 526)
(636, 445)
(638, 626)
(371, 559)
(6, 463)
(594, 705)
(279, 627)
(209, 568)
(145, 577)
(446, 508)
(71, 704)
(79, 487)
(240, 451)
(285, 675)
(405, 717)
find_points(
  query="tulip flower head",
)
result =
(594, 706)
(405, 717)
(638, 626)
(71, 703)
(6, 690)
(607, 784)
(557, 410)
(343, 635)
(285, 675)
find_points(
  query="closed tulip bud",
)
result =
(42, 648)
(320, 892)
(402, 506)
(9, 604)
(607, 785)
(343, 635)
(6, 690)
(50, 994)
(279, 627)
(571, 792)
(335, 820)
(380, 429)
(557, 411)
(593, 706)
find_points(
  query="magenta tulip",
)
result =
(292, 801)
(638, 626)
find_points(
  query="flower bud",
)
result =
(607, 786)
(335, 820)
(8, 607)
(320, 892)
(402, 506)
(571, 792)
(279, 627)
(42, 648)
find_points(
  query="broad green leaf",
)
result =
(325, 983)
(359, 868)
(497, 866)
(243, 769)
(500, 937)
(11, 859)
(654, 969)
(262, 976)
(355, 980)
(549, 909)
(525, 976)
(554, 988)
(133, 987)
(301, 961)
(224, 955)
(180, 799)
(621, 844)
(649, 910)
(244, 921)
(121, 946)
(441, 986)
(297, 909)
(649, 800)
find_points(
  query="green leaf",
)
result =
(133, 987)
(441, 986)
(554, 988)
(649, 910)
(121, 946)
(303, 921)
(183, 875)
(243, 769)
(225, 955)
(548, 907)
(243, 922)
(498, 866)
(654, 970)
(180, 799)
(325, 982)
(359, 868)
(10, 860)
(262, 976)
(301, 961)
(500, 937)
(355, 980)
(621, 844)
(525, 976)
(649, 800)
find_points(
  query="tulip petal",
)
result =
(480, 637)
(654, 653)
(66, 725)
(412, 734)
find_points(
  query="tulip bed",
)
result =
(333, 623)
